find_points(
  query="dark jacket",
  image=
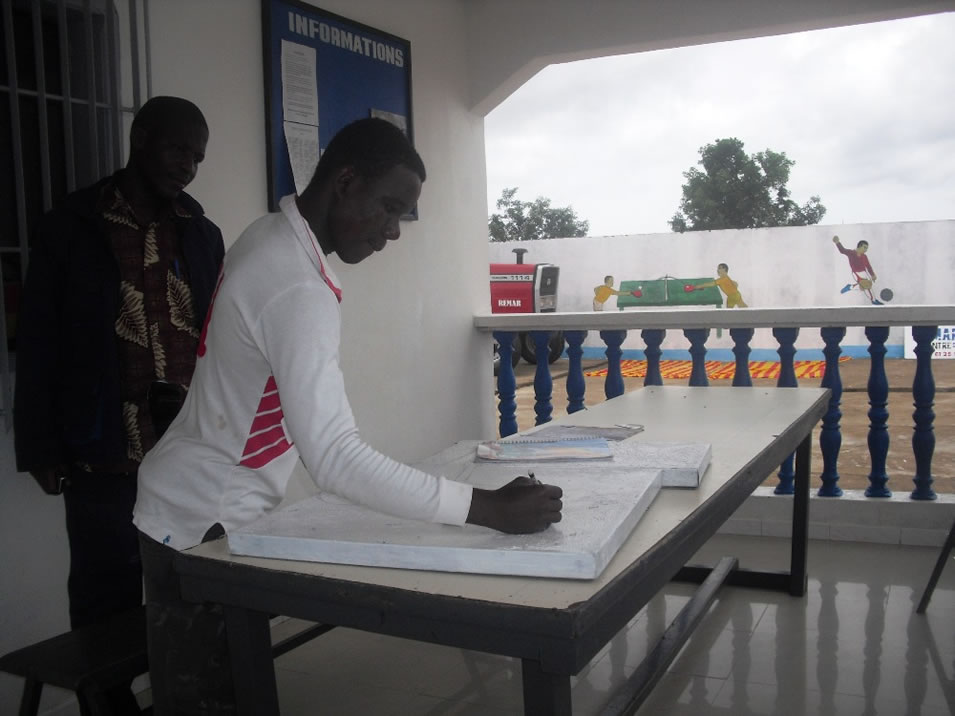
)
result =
(67, 402)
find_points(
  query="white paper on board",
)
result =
(299, 83)
(300, 110)
(302, 143)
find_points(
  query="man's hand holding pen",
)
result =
(521, 506)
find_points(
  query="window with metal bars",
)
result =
(62, 121)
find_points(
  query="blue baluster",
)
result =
(697, 338)
(786, 337)
(741, 338)
(830, 437)
(543, 383)
(923, 392)
(576, 385)
(653, 337)
(506, 384)
(613, 385)
(878, 412)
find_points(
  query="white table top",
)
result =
(740, 423)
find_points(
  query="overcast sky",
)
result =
(866, 112)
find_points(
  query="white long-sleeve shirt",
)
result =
(268, 390)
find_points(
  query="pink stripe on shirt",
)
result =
(266, 435)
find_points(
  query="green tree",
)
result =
(518, 220)
(738, 191)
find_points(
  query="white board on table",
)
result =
(602, 505)
(683, 464)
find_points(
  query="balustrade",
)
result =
(696, 324)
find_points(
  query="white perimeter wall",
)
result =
(418, 375)
(790, 266)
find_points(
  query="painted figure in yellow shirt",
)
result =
(603, 292)
(734, 299)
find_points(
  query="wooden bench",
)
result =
(96, 658)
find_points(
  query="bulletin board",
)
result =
(323, 71)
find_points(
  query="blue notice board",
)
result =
(323, 71)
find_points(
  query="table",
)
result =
(554, 626)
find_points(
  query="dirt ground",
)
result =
(853, 466)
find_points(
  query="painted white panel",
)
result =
(602, 505)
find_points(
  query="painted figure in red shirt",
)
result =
(860, 267)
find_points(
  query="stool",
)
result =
(93, 659)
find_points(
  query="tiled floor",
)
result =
(853, 646)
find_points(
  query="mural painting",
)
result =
(603, 292)
(863, 275)
(784, 267)
(667, 291)
(734, 299)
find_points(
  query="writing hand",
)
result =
(49, 479)
(522, 506)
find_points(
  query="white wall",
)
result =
(34, 563)
(791, 266)
(392, 355)
(418, 375)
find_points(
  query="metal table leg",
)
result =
(250, 651)
(798, 570)
(545, 693)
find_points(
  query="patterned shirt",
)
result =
(157, 330)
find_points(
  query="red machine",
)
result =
(526, 288)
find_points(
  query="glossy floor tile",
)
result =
(853, 645)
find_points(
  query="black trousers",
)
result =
(189, 667)
(106, 575)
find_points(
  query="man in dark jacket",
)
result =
(120, 277)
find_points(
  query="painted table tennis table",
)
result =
(555, 626)
(668, 291)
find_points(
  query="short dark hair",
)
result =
(862, 243)
(722, 266)
(373, 146)
(161, 112)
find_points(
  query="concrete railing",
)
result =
(785, 323)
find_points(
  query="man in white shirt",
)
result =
(268, 391)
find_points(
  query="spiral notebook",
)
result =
(611, 433)
(537, 449)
